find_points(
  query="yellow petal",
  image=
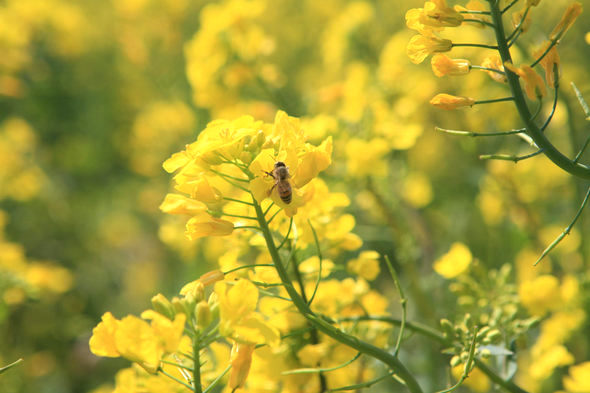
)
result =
(102, 342)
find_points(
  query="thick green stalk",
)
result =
(197, 367)
(558, 158)
(323, 326)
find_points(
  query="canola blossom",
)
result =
(247, 196)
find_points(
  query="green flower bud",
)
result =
(163, 306)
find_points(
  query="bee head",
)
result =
(279, 164)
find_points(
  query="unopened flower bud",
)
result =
(203, 314)
(443, 65)
(163, 306)
(449, 102)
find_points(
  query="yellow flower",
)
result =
(303, 161)
(449, 102)
(567, 20)
(533, 83)
(361, 164)
(473, 5)
(578, 380)
(417, 190)
(420, 47)
(548, 62)
(494, 62)
(443, 65)
(241, 360)
(206, 225)
(545, 363)
(435, 15)
(454, 262)
(540, 295)
(238, 319)
(179, 204)
(102, 342)
(366, 265)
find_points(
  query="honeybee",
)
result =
(281, 175)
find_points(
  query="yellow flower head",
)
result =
(540, 295)
(443, 65)
(420, 47)
(578, 379)
(454, 262)
(366, 265)
(238, 318)
(533, 83)
(434, 16)
(303, 161)
(449, 102)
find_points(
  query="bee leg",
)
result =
(272, 188)
(270, 174)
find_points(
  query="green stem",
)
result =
(437, 336)
(483, 22)
(238, 201)
(477, 67)
(475, 45)
(506, 157)
(197, 367)
(494, 100)
(509, 6)
(172, 377)
(353, 342)
(476, 134)
(534, 132)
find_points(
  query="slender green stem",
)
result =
(274, 215)
(533, 131)
(494, 100)
(474, 45)
(287, 235)
(9, 366)
(361, 385)
(539, 106)
(483, 22)
(551, 45)
(566, 231)
(518, 29)
(477, 67)
(476, 134)
(238, 201)
(513, 40)
(474, 12)
(468, 365)
(197, 367)
(238, 216)
(319, 250)
(506, 157)
(217, 380)
(268, 208)
(509, 6)
(172, 377)
(582, 150)
(176, 364)
(555, 95)
(403, 301)
(229, 176)
(247, 267)
(247, 227)
(320, 370)
(322, 325)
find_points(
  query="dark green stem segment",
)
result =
(558, 158)
(323, 326)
